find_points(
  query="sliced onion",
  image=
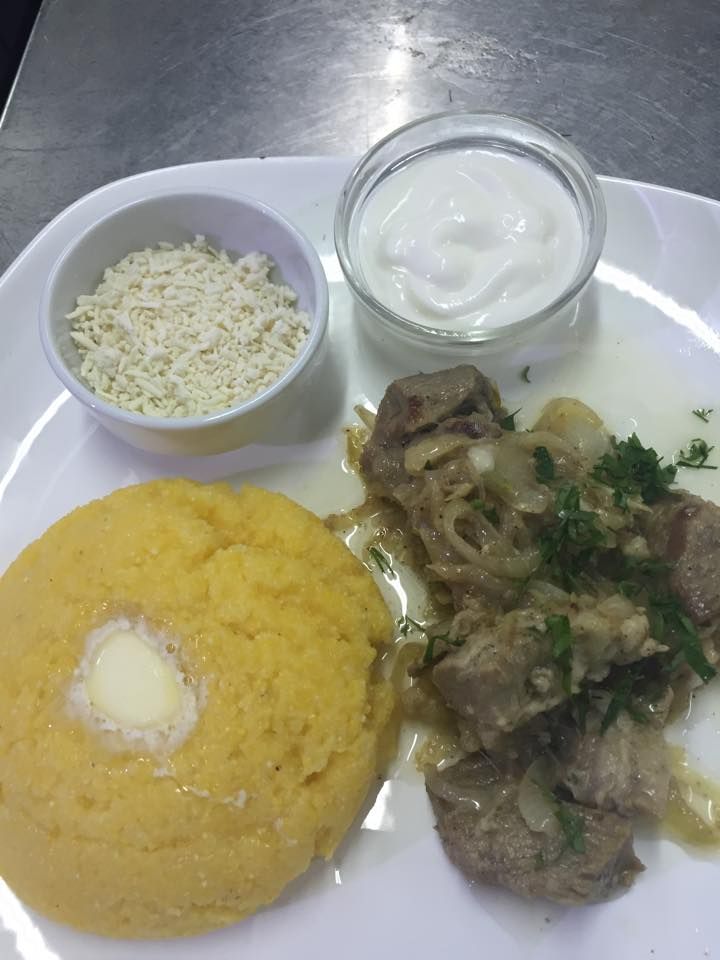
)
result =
(520, 494)
(453, 512)
(535, 803)
(530, 439)
(546, 592)
(480, 798)
(514, 478)
(468, 573)
(367, 415)
(481, 457)
(431, 449)
(459, 492)
(578, 424)
(514, 565)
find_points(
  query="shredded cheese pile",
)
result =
(184, 331)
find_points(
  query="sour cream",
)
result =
(470, 238)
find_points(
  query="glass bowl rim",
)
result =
(583, 174)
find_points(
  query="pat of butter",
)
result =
(130, 682)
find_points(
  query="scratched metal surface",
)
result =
(113, 87)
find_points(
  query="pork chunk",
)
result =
(684, 531)
(485, 835)
(624, 769)
(460, 399)
(505, 675)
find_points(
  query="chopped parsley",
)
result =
(669, 624)
(572, 826)
(631, 470)
(383, 562)
(637, 574)
(621, 700)
(508, 422)
(524, 374)
(562, 647)
(489, 512)
(407, 624)
(667, 618)
(703, 413)
(566, 547)
(696, 455)
(432, 640)
(544, 465)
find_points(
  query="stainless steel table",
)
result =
(113, 87)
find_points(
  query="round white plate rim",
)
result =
(573, 924)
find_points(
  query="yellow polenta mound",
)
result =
(278, 625)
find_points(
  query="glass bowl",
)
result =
(441, 132)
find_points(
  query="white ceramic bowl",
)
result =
(229, 221)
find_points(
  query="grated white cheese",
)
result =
(184, 331)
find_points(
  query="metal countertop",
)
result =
(109, 88)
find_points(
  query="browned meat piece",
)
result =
(625, 769)
(684, 530)
(505, 675)
(461, 399)
(485, 835)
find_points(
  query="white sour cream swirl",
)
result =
(469, 238)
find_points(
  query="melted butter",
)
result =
(130, 683)
(693, 810)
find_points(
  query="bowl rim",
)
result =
(453, 338)
(318, 318)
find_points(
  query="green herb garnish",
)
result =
(635, 574)
(620, 700)
(562, 643)
(508, 422)
(407, 624)
(628, 588)
(566, 547)
(703, 413)
(544, 465)
(489, 512)
(432, 640)
(632, 470)
(696, 455)
(430, 646)
(667, 616)
(524, 374)
(645, 567)
(572, 826)
(383, 562)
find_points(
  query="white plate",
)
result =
(643, 351)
